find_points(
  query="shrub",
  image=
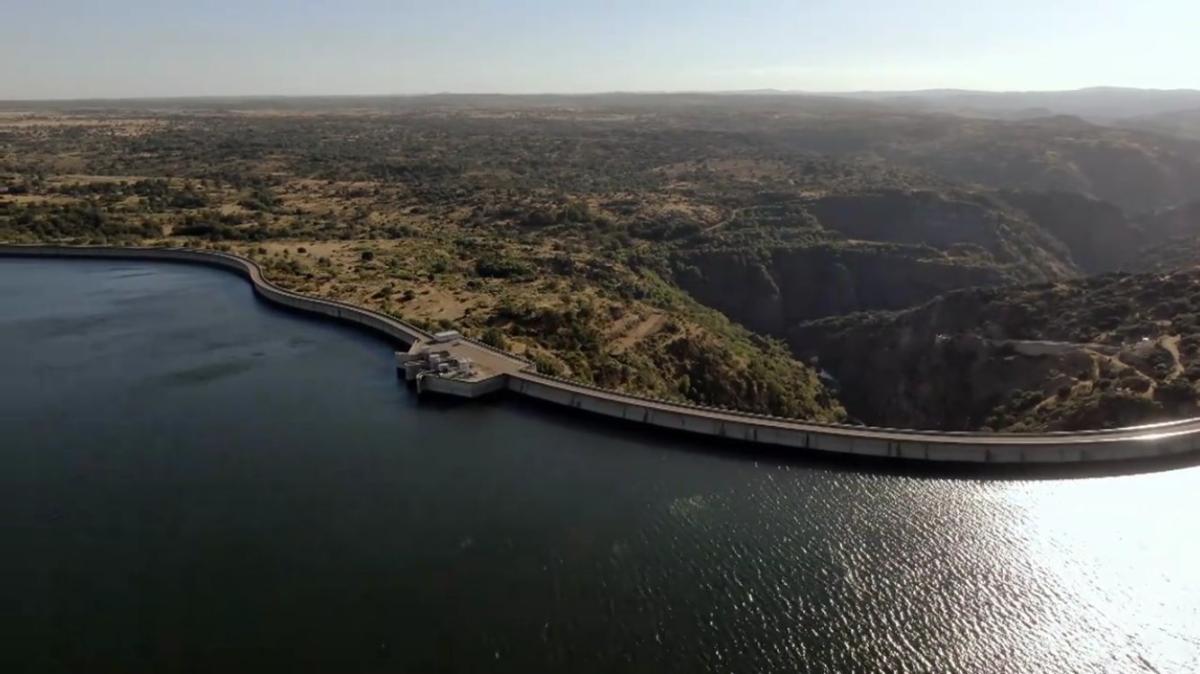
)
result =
(1177, 392)
(501, 267)
(547, 365)
(494, 338)
(538, 218)
(208, 230)
(188, 200)
(1135, 384)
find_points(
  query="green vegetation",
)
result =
(665, 245)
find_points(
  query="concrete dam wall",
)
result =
(1155, 440)
(518, 376)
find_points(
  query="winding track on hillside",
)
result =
(506, 371)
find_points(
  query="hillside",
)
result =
(657, 244)
(1136, 171)
(892, 249)
(770, 290)
(1096, 104)
(1180, 123)
(1089, 353)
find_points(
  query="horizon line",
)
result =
(614, 92)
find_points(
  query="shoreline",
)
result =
(517, 375)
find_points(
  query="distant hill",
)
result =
(1182, 123)
(1097, 104)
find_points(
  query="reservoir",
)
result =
(192, 480)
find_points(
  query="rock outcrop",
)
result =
(772, 290)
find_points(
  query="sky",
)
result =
(148, 48)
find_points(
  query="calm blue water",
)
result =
(193, 481)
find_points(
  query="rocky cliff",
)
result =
(772, 290)
(1087, 353)
(1096, 234)
(949, 220)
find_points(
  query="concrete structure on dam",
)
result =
(459, 366)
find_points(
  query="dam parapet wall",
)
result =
(1140, 443)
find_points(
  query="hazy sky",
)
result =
(114, 48)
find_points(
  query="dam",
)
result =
(490, 371)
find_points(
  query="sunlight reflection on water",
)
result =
(1121, 551)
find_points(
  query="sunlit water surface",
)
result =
(191, 480)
